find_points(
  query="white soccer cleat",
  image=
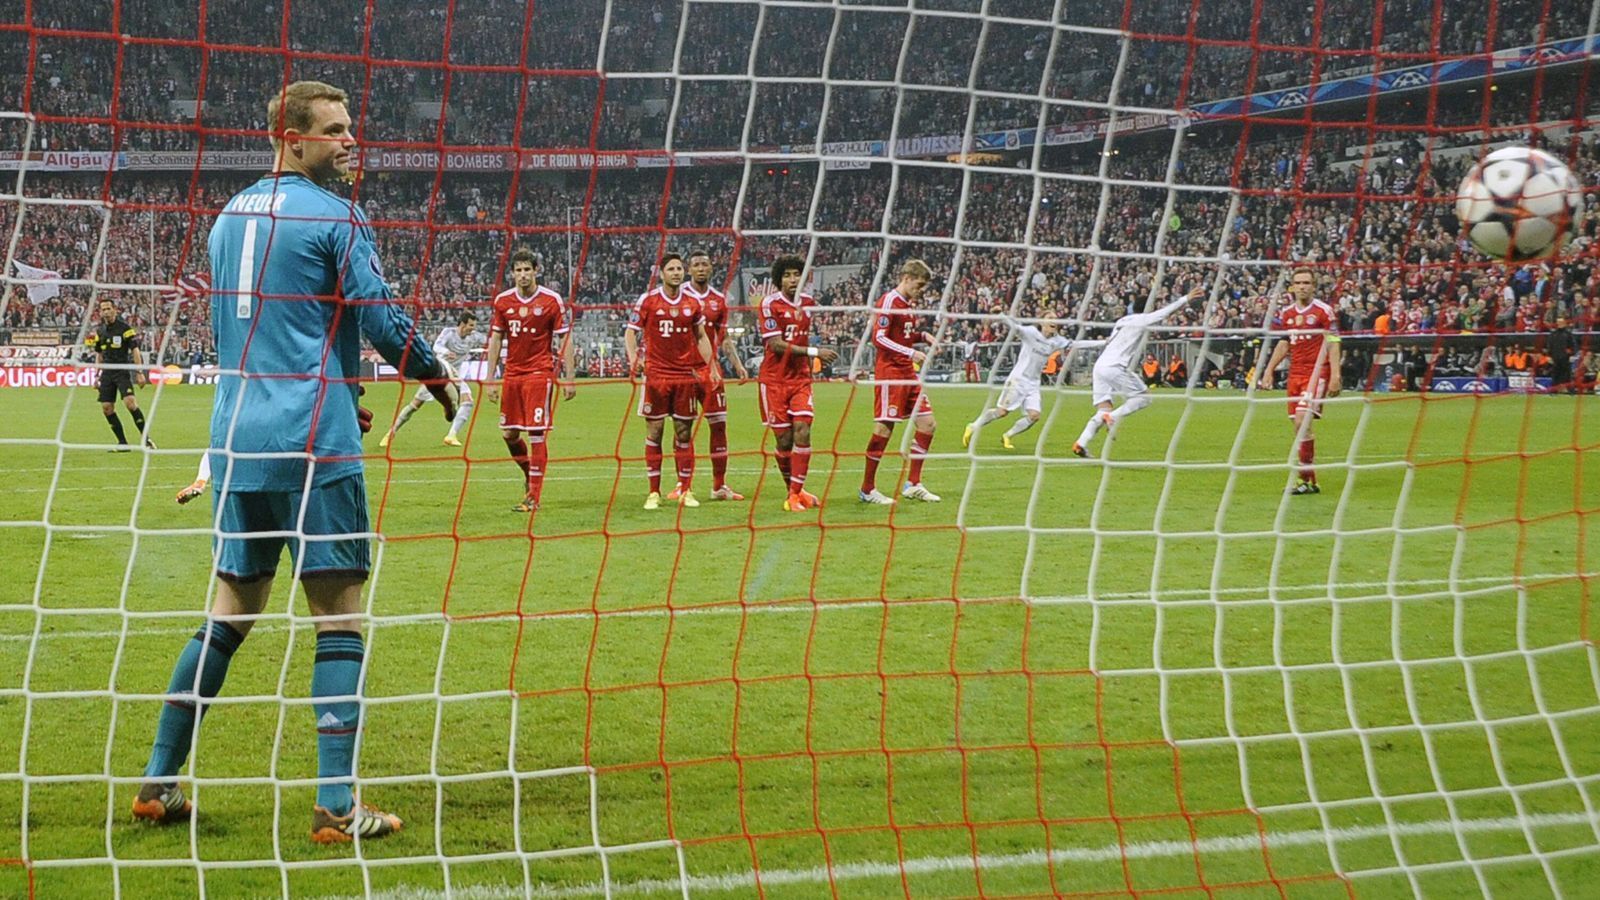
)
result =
(918, 492)
(686, 498)
(383, 442)
(450, 440)
(876, 498)
(653, 500)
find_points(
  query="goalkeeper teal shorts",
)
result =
(333, 540)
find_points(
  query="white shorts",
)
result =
(424, 395)
(1017, 395)
(1112, 382)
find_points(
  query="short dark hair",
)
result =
(524, 255)
(467, 315)
(698, 251)
(785, 264)
(105, 300)
(291, 106)
(669, 256)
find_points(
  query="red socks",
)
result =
(683, 455)
(920, 441)
(652, 465)
(1308, 455)
(783, 465)
(538, 455)
(798, 466)
(719, 452)
(875, 446)
(519, 453)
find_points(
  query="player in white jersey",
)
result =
(1021, 389)
(1114, 374)
(454, 347)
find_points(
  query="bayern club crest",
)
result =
(538, 310)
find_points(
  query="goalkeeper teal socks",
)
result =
(203, 664)
(337, 673)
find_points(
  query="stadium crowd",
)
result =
(1381, 230)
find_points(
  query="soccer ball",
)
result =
(1519, 204)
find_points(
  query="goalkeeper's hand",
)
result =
(363, 415)
(443, 388)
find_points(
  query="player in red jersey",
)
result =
(528, 318)
(714, 395)
(676, 353)
(785, 378)
(1313, 351)
(898, 395)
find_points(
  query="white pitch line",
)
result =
(745, 881)
(765, 607)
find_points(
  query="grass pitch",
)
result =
(1210, 688)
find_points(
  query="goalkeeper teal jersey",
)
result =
(295, 283)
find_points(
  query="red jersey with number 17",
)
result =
(1308, 327)
(530, 325)
(790, 320)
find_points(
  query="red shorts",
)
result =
(899, 402)
(1306, 392)
(784, 401)
(713, 399)
(676, 398)
(527, 403)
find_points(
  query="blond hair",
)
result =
(291, 107)
(915, 268)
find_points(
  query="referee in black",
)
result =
(115, 342)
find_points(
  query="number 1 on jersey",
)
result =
(247, 271)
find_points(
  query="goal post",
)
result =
(1147, 668)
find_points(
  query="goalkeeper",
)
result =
(296, 283)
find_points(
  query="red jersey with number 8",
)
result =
(790, 320)
(530, 325)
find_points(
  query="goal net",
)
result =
(1154, 668)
